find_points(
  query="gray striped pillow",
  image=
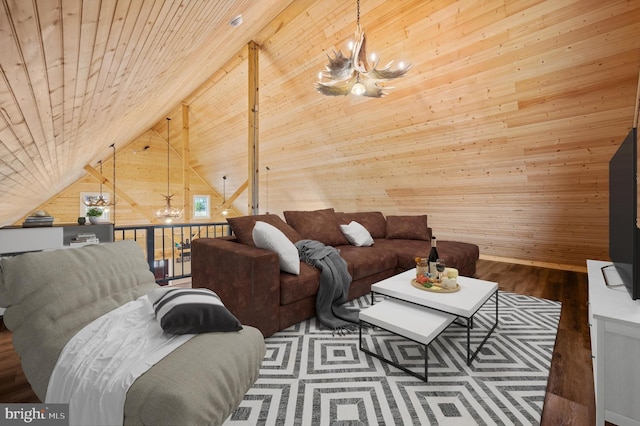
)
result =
(191, 310)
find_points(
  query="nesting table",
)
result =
(421, 315)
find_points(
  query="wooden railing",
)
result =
(168, 247)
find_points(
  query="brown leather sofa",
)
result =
(250, 282)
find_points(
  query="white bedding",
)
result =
(97, 366)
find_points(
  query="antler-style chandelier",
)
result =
(357, 74)
(168, 213)
(100, 201)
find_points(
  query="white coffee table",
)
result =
(422, 315)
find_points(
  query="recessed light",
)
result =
(236, 22)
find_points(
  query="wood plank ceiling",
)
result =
(80, 75)
(501, 132)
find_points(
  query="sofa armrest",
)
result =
(246, 278)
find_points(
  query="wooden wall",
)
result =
(501, 132)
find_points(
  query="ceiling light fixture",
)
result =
(100, 201)
(113, 199)
(168, 213)
(267, 187)
(357, 74)
(224, 195)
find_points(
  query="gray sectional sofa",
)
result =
(52, 295)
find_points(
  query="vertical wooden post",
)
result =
(637, 108)
(185, 164)
(253, 143)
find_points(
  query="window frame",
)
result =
(206, 212)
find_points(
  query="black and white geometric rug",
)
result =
(312, 377)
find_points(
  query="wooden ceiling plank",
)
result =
(138, 55)
(157, 65)
(119, 43)
(161, 25)
(97, 104)
(182, 27)
(13, 134)
(100, 38)
(129, 47)
(50, 24)
(69, 24)
(24, 62)
(86, 39)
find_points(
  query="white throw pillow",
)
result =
(357, 234)
(269, 237)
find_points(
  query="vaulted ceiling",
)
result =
(79, 75)
(501, 132)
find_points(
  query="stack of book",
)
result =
(84, 238)
(37, 220)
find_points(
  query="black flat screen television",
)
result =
(623, 201)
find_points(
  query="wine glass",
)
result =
(440, 266)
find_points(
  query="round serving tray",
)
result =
(435, 288)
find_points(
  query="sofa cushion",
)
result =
(242, 227)
(357, 234)
(319, 225)
(363, 262)
(406, 250)
(191, 310)
(408, 227)
(373, 221)
(269, 237)
(461, 256)
(298, 287)
(464, 254)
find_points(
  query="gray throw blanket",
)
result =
(334, 284)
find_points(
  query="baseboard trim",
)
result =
(549, 265)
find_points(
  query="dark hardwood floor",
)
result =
(570, 394)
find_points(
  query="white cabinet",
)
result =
(15, 240)
(615, 346)
(19, 240)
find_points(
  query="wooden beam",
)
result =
(134, 205)
(188, 210)
(637, 109)
(253, 140)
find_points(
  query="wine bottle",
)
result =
(433, 257)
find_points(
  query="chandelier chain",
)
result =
(168, 148)
(113, 146)
(101, 178)
(168, 213)
(358, 13)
